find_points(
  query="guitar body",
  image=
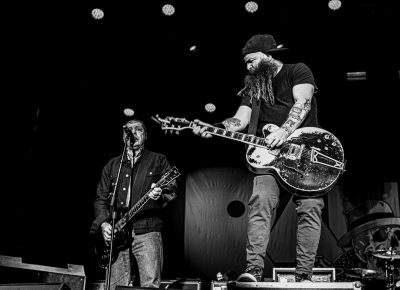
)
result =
(122, 240)
(308, 164)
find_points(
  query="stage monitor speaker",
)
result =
(318, 275)
(176, 284)
(183, 284)
(34, 286)
(13, 270)
(294, 286)
(218, 285)
(96, 285)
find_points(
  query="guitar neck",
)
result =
(142, 201)
(241, 137)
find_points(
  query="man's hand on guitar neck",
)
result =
(106, 231)
(156, 192)
(199, 128)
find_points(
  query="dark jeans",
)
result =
(148, 251)
(262, 203)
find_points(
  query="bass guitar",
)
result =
(308, 164)
(122, 233)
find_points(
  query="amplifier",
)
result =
(294, 286)
(319, 275)
(218, 285)
(184, 284)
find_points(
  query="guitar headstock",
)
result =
(173, 124)
(169, 176)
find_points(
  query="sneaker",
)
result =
(252, 275)
(302, 277)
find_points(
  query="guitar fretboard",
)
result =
(165, 180)
(138, 205)
(241, 137)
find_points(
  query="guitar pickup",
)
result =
(294, 152)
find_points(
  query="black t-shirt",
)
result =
(282, 85)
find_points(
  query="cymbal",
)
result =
(357, 272)
(387, 254)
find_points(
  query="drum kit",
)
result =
(388, 257)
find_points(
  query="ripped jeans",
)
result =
(262, 203)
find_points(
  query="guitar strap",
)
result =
(255, 110)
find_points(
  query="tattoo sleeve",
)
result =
(297, 115)
(232, 124)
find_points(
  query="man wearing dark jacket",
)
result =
(140, 170)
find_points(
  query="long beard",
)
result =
(258, 84)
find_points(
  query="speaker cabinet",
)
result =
(35, 286)
(13, 270)
(184, 284)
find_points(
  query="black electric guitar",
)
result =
(122, 233)
(308, 164)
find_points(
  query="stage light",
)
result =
(251, 6)
(334, 4)
(168, 9)
(357, 76)
(210, 107)
(97, 13)
(193, 48)
(129, 112)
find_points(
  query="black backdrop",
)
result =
(67, 78)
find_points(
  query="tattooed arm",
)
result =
(239, 121)
(236, 123)
(302, 96)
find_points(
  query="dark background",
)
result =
(67, 79)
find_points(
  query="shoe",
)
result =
(252, 275)
(302, 277)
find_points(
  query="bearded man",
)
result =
(283, 94)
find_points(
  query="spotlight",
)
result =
(357, 76)
(129, 112)
(251, 6)
(193, 48)
(210, 107)
(97, 13)
(334, 4)
(168, 9)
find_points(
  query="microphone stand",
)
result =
(113, 218)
